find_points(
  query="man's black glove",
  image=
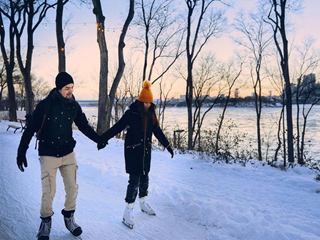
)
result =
(21, 159)
(170, 151)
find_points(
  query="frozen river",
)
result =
(245, 119)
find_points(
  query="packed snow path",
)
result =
(193, 199)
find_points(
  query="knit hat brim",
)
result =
(63, 79)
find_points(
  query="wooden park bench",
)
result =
(23, 123)
(14, 127)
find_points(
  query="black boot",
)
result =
(69, 221)
(45, 228)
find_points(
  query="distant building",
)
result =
(182, 98)
(236, 93)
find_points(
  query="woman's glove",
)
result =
(170, 151)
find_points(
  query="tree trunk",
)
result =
(189, 99)
(9, 64)
(189, 87)
(59, 33)
(284, 137)
(278, 136)
(301, 158)
(289, 116)
(122, 64)
(221, 123)
(103, 77)
(258, 107)
(284, 55)
(29, 93)
(298, 120)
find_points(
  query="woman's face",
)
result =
(146, 105)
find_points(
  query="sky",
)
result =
(193, 198)
(83, 53)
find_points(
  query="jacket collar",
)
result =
(137, 107)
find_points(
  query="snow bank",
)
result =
(193, 199)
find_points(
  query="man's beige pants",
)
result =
(68, 169)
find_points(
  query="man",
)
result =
(52, 121)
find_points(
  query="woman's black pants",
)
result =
(137, 182)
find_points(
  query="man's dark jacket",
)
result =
(137, 142)
(56, 114)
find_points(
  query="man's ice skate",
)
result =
(69, 221)
(45, 228)
(128, 215)
(145, 207)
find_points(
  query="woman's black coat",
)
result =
(138, 142)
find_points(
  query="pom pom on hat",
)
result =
(146, 84)
(63, 79)
(146, 94)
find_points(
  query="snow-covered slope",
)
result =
(193, 199)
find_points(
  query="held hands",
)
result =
(21, 159)
(170, 151)
(101, 143)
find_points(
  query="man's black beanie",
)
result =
(63, 79)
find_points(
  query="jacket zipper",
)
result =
(144, 150)
(134, 145)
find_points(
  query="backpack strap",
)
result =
(46, 111)
(39, 131)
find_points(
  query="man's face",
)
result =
(67, 91)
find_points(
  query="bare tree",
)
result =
(277, 81)
(121, 62)
(131, 82)
(3, 81)
(205, 79)
(257, 40)
(30, 15)
(308, 61)
(164, 99)
(106, 103)
(162, 36)
(199, 30)
(277, 20)
(10, 12)
(103, 76)
(310, 97)
(59, 34)
(230, 75)
(120, 105)
(40, 88)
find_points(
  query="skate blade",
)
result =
(151, 214)
(127, 224)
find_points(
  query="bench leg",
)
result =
(8, 128)
(15, 130)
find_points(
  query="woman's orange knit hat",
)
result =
(146, 94)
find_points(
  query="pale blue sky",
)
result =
(82, 48)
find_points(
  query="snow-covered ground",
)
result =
(193, 199)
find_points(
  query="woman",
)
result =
(140, 121)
